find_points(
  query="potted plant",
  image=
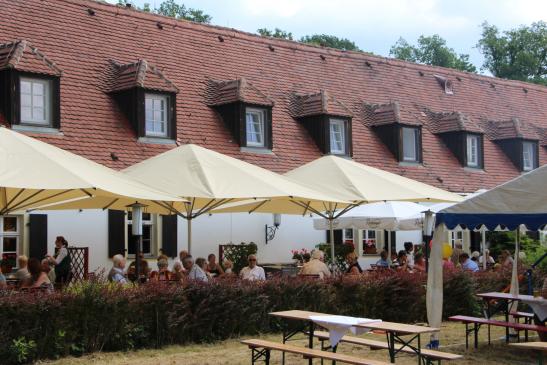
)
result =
(369, 247)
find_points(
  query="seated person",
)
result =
(144, 269)
(5, 268)
(252, 272)
(448, 264)
(382, 263)
(486, 256)
(475, 256)
(228, 267)
(316, 266)
(213, 267)
(22, 274)
(354, 267)
(194, 271)
(163, 273)
(38, 278)
(306, 258)
(468, 264)
(419, 262)
(116, 274)
(402, 262)
(48, 269)
(506, 260)
(178, 273)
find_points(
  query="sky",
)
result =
(374, 25)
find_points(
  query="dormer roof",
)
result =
(391, 113)
(513, 128)
(452, 122)
(139, 74)
(22, 56)
(231, 91)
(322, 102)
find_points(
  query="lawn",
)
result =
(231, 352)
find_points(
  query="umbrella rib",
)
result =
(345, 210)
(306, 208)
(110, 204)
(5, 209)
(42, 199)
(214, 206)
(204, 208)
(258, 206)
(168, 207)
(87, 193)
(309, 207)
(16, 206)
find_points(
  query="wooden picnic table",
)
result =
(507, 300)
(393, 331)
(540, 347)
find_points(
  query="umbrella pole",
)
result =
(189, 224)
(484, 249)
(331, 228)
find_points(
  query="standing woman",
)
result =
(61, 260)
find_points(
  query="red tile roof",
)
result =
(226, 92)
(318, 103)
(22, 56)
(139, 74)
(381, 114)
(191, 54)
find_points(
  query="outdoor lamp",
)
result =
(270, 230)
(136, 219)
(429, 221)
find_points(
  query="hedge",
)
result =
(96, 316)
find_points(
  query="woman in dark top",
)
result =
(354, 267)
(61, 260)
(213, 267)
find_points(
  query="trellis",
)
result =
(79, 257)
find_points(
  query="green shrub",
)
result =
(97, 316)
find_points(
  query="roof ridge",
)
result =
(291, 44)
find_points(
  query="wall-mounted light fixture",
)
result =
(270, 230)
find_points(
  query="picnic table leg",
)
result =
(476, 332)
(391, 346)
(310, 340)
(419, 350)
(466, 335)
(334, 350)
(507, 320)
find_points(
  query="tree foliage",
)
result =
(431, 51)
(517, 54)
(172, 9)
(331, 41)
(276, 33)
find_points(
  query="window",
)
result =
(369, 242)
(156, 112)
(347, 235)
(528, 156)
(473, 150)
(337, 136)
(9, 239)
(35, 101)
(147, 235)
(456, 237)
(255, 127)
(411, 144)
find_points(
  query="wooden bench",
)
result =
(477, 322)
(430, 356)
(540, 347)
(528, 318)
(261, 350)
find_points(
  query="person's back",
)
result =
(22, 274)
(196, 272)
(315, 266)
(467, 263)
(455, 258)
(382, 263)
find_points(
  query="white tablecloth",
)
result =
(338, 326)
(539, 306)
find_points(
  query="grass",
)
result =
(231, 352)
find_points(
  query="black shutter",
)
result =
(349, 138)
(172, 116)
(269, 129)
(38, 235)
(169, 235)
(476, 239)
(56, 103)
(390, 135)
(116, 232)
(393, 241)
(338, 237)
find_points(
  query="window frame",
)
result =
(262, 112)
(165, 98)
(10, 234)
(533, 157)
(342, 123)
(348, 235)
(479, 153)
(417, 140)
(47, 101)
(152, 223)
(378, 240)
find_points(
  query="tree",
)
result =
(332, 41)
(517, 54)
(431, 51)
(276, 33)
(172, 9)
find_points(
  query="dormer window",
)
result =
(337, 136)
(255, 120)
(157, 115)
(529, 155)
(411, 144)
(35, 101)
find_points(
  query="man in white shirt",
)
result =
(194, 271)
(252, 272)
(116, 273)
(316, 266)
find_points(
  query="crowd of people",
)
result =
(184, 268)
